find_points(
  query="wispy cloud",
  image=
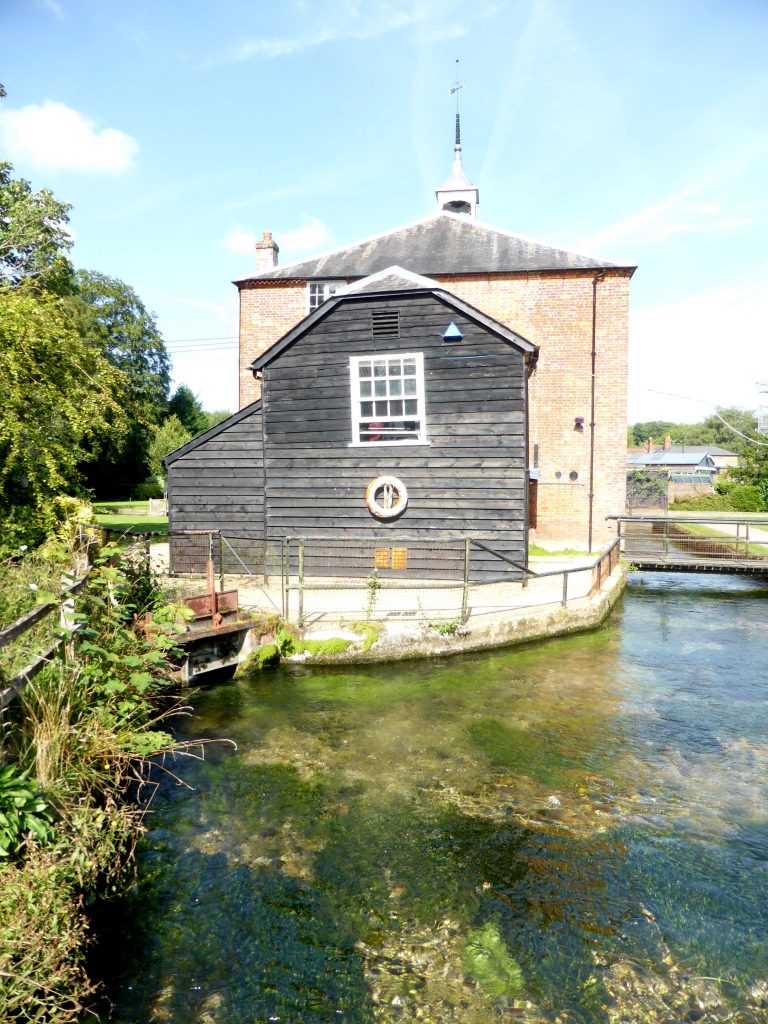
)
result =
(676, 215)
(53, 136)
(353, 21)
(52, 6)
(239, 241)
(223, 312)
(312, 236)
(327, 181)
(548, 46)
(308, 238)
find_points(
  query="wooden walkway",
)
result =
(710, 544)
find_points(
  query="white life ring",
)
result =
(392, 497)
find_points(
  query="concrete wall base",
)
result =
(526, 626)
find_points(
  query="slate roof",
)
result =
(703, 449)
(670, 458)
(446, 243)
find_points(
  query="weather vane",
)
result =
(455, 89)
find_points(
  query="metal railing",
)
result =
(308, 579)
(607, 559)
(694, 539)
(456, 595)
(381, 570)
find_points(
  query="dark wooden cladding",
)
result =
(304, 477)
(220, 484)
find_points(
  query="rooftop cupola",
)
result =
(458, 194)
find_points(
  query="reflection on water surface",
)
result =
(571, 831)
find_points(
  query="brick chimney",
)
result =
(266, 252)
(667, 443)
(649, 445)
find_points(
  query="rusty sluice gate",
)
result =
(708, 544)
(217, 638)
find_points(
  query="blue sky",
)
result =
(632, 131)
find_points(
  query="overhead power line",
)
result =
(184, 341)
(201, 349)
(189, 341)
(688, 398)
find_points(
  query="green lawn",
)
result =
(128, 515)
(701, 530)
(535, 551)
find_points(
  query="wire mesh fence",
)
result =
(372, 579)
(324, 580)
(647, 489)
(694, 539)
(438, 581)
(189, 551)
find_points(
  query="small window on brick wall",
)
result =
(319, 291)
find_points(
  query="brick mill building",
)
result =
(574, 309)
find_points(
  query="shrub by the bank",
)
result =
(738, 498)
(747, 498)
(704, 503)
(44, 931)
(80, 738)
(149, 488)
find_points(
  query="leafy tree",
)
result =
(657, 429)
(744, 420)
(115, 321)
(752, 472)
(33, 237)
(646, 489)
(170, 435)
(216, 417)
(34, 240)
(100, 321)
(186, 406)
(747, 498)
(711, 431)
(118, 322)
(60, 395)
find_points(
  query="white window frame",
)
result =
(327, 289)
(357, 399)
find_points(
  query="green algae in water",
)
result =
(373, 821)
(527, 752)
(487, 961)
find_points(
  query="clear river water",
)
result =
(572, 831)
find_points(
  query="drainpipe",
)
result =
(598, 277)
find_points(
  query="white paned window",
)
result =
(388, 399)
(319, 291)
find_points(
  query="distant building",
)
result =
(674, 462)
(682, 457)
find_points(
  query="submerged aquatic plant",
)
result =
(487, 961)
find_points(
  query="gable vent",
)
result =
(385, 323)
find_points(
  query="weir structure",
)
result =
(732, 544)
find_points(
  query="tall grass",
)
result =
(84, 731)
